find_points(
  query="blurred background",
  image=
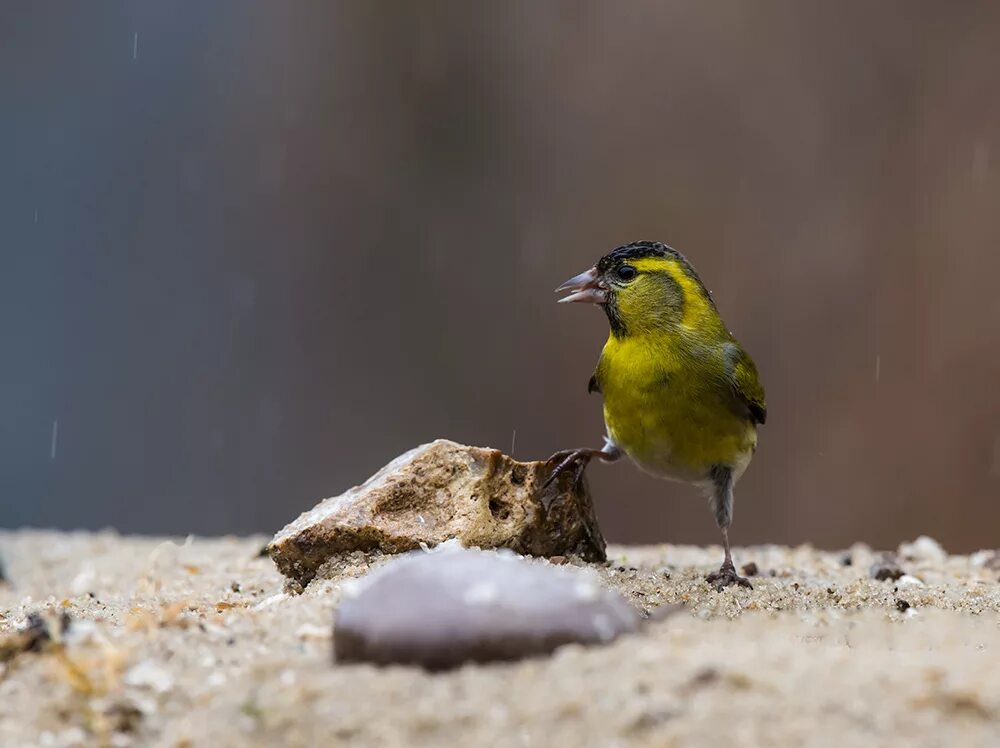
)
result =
(252, 250)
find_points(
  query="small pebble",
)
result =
(122, 717)
(902, 606)
(924, 549)
(34, 635)
(981, 559)
(750, 569)
(885, 570)
(151, 675)
(705, 676)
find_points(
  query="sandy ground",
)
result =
(190, 643)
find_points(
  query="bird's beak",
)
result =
(586, 287)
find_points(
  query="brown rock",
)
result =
(441, 609)
(38, 633)
(439, 491)
(885, 570)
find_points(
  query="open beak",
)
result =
(585, 287)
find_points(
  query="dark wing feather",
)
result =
(745, 383)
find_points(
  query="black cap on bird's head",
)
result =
(636, 251)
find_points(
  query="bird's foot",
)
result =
(726, 576)
(578, 459)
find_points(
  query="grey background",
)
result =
(253, 250)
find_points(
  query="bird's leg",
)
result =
(579, 459)
(722, 503)
(726, 575)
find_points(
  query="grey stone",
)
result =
(442, 608)
(440, 491)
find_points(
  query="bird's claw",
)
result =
(563, 460)
(726, 576)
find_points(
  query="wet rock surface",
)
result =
(440, 491)
(452, 606)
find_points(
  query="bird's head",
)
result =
(643, 287)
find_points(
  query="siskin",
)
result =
(682, 399)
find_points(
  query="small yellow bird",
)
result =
(681, 397)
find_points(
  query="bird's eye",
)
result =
(626, 272)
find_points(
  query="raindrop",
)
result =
(135, 45)
(55, 439)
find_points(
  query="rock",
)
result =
(451, 605)
(750, 569)
(924, 549)
(885, 570)
(439, 491)
(39, 631)
(982, 559)
(151, 675)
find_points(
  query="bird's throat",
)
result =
(615, 320)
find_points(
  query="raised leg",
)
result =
(578, 459)
(721, 500)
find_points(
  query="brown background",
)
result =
(253, 250)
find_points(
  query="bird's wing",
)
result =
(745, 383)
(594, 385)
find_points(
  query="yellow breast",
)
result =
(667, 407)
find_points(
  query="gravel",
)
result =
(198, 642)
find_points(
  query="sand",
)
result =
(196, 642)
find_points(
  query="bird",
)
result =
(682, 398)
